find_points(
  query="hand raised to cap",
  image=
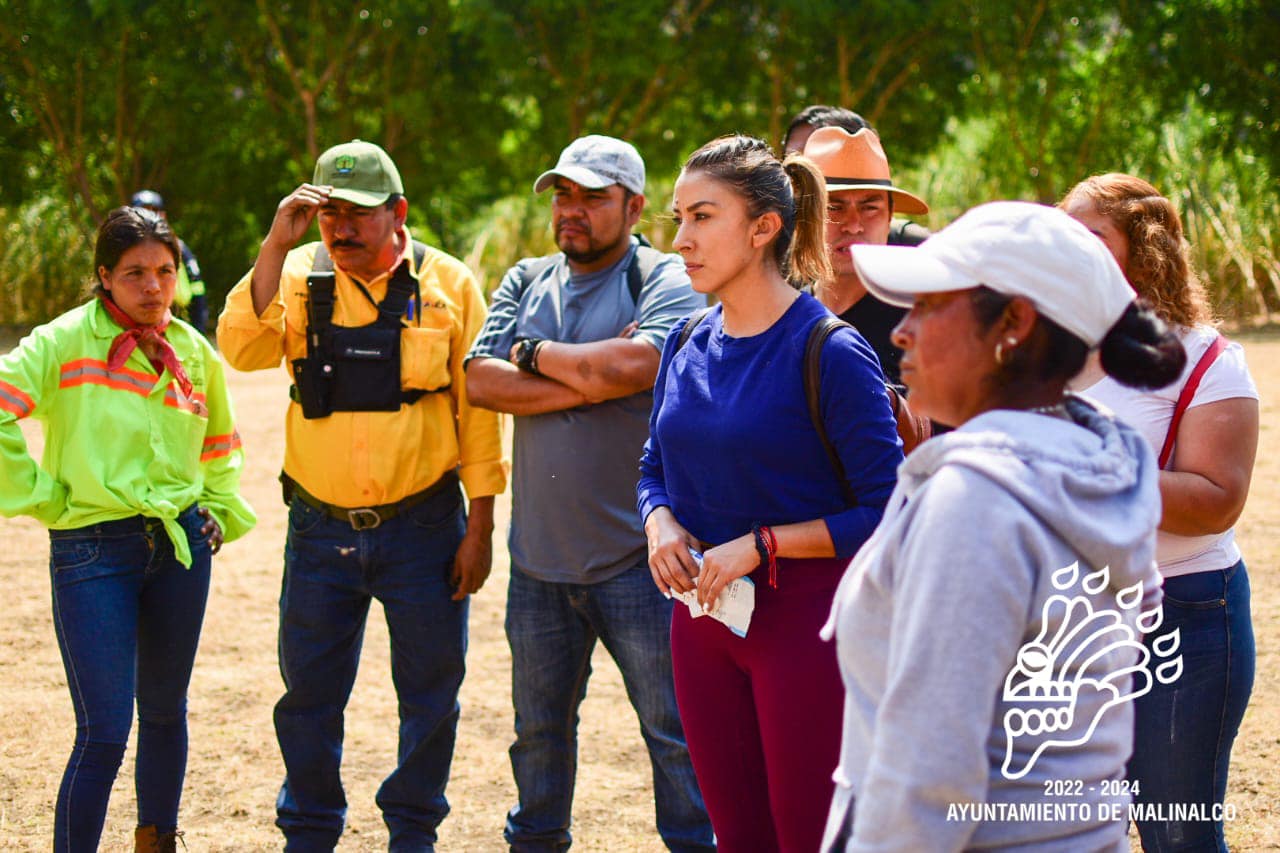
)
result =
(295, 213)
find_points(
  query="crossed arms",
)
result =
(569, 375)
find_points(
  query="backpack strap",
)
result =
(818, 335)
(641, 267)
(532, 270)
(692, 323)
(638, 271)
(1188, 392)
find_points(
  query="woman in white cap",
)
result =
(1184, 730)
(989, 631)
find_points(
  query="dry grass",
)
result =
(234, 768)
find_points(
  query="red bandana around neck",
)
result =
(125, 343)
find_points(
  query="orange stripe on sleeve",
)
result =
(216, 446)
(15, 401)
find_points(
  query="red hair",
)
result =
(1159, 268)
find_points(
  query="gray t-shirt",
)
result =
(574, 472)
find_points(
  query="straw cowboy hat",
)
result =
(856, 161)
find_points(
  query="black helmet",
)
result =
(147, 198)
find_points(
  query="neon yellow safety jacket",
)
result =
(190, 282)
(118, 443)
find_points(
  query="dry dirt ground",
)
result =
(235, 770)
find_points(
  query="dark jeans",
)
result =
(552, 629)
(331, 574)
(1184, 730)
(127, 616)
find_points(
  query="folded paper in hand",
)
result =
(733, 606)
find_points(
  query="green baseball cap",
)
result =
(359, 172)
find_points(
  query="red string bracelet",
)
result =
(767, 548)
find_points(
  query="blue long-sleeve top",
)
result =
(731, 442)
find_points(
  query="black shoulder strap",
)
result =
(320, 287)
(401, 286)
(822, 330)
(641, 267)
(638, 271)
(692, 323)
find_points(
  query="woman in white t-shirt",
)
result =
(1185, 729)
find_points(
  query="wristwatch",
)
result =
(527, 354)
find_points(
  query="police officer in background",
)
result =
(379, 434)
(190, 295)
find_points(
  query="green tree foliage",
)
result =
(1222, 53)
(42, 268)
(1052, 78)
(897, 64)
(223, 107)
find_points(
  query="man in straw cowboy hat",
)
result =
(861, 202)
(903, 232)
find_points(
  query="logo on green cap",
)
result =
(344, 164)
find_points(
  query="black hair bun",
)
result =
(1141, 351)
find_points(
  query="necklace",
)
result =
(1053, 410)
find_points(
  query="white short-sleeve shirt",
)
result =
(1150, 412)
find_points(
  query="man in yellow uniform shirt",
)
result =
(373, 328)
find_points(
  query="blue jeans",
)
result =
(1184, 730)
(331, 572)
(127, 616)
(552, 629)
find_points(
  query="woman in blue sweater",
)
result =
(735, 469)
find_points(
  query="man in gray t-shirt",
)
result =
(571, 348)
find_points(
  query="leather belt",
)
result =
(367, 517)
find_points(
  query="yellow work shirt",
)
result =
(355, 459)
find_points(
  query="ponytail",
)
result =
(1140, 351)
(807, 260)
(796, 191)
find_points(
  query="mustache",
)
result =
(572, 223)
(347, 244)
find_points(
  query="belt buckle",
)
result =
(364, 518)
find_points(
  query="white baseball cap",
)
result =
(1015, 248)
(595, 162)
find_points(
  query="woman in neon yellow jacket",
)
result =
(139, 487)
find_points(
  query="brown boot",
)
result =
(167, 842)
(147, 839)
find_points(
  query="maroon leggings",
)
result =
(762, 714)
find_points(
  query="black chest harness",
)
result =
(354, 368)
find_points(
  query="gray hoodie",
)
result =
(988, 661)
